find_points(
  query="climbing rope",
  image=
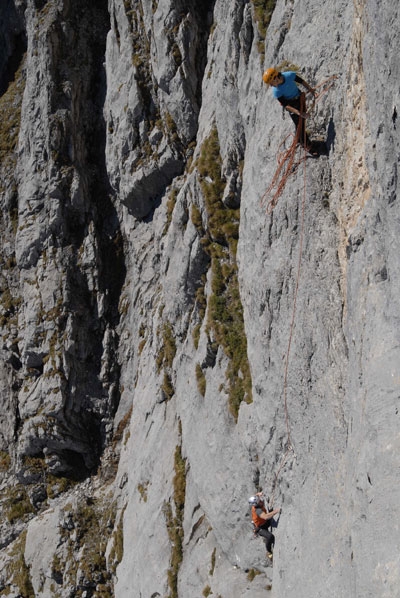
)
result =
(287, 163)
(323, 87)
(289, 444)
(287, 166)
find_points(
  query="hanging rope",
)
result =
(289, 444)
(287, 166)
(287, 163)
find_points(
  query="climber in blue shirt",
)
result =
(292, 99)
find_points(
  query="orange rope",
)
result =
(288, 164)
(289, 446)
(296, 289)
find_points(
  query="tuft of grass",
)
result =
(57, 486)
(212, 568)
(167, 352)
(285, 65)
(17, 573)
(10, 117)
(122, 426)
(165, 359)
(117, 549)
(263, 10)
(170, 208)
(175, 521)
(5, 461)
(201, 380)
(196, 335)
(179, 481)
(93, 525)
(195, 216)
(201, 306)
(142, 488)
(167, 386)
(17, 504)
(9, 306)
(252, 574)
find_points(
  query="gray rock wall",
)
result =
(169, 346)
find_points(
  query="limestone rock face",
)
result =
(172, 342)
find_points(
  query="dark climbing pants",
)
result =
(298, 121)
(268, 536)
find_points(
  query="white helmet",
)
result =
(254, 501)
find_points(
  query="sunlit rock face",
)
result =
(173, 342)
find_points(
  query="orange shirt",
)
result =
(257, 520)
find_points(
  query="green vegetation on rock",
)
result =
(174, 521)
(165, 359)
(263, 10)
(93, 522)
(10, 117)
(225, 322)
(17, 503)
(16, 571)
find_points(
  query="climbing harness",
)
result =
(287, 165)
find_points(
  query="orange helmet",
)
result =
(270, 74)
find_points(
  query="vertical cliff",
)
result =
(169, 344)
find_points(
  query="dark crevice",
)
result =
(13, 44)
(13, 63)
(203, 12)
(97, 412)
(89, 398)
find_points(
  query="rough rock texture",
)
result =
(168, 346)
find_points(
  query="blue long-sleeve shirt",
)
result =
(288, 90)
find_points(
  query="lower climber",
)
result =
(262, 520)
(292, 99)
